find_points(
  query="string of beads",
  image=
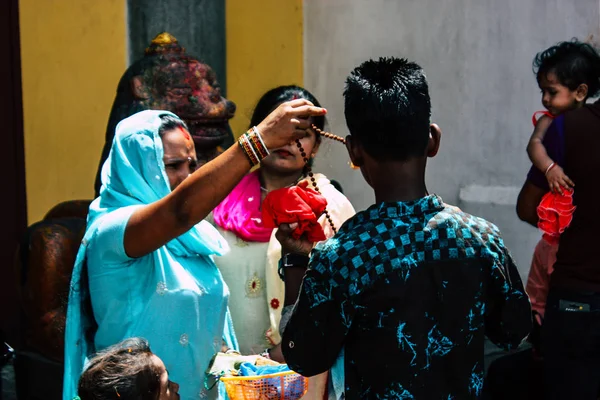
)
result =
(308, 170)
(329, 135)
(253, 146)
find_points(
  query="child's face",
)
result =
(556, 97)
(288, 159)
(168, 390)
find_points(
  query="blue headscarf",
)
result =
(133, 175)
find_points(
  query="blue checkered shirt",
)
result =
(408, 290)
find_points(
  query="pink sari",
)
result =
(240, 211)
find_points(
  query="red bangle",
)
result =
(550, 168)
(247, 148)
(257, 144)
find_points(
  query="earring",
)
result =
(351, 164)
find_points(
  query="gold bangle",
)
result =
(255, 130)
(256, 143)
(243, 142)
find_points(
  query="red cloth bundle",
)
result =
(296, 204)
(555, 214)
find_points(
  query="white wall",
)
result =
(477, 55)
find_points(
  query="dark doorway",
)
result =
(12, 165)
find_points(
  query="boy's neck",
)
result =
(395, 181)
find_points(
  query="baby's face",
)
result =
(556, 97)
(168, 390)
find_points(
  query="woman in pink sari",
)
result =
(250, 269)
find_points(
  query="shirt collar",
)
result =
(424, 205)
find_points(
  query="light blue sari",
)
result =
(174, 297)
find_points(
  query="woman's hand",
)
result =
(293, 276)
(291, 245)
(558, 180)
(288, 122)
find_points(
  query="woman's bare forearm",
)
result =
(199, 194)
(152, 226)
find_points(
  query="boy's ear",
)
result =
(435, 136)
(354, 151)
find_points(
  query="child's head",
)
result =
(388, 110)
(127, 371)
(567, 74)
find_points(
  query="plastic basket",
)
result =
(287, 385)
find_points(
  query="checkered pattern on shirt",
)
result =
(460, 262)
(394, 238)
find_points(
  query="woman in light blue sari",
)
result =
(144, 267)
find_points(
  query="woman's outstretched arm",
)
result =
(152, 226)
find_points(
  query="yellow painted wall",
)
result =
(264, 50)
(73, 55)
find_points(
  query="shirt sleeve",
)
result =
(319, 321)
(508, 312)
(554, 144)
(108, 242)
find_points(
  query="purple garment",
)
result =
(554, 142)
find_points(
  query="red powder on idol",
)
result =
(185, 133)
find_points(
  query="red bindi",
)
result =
(185, 133)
